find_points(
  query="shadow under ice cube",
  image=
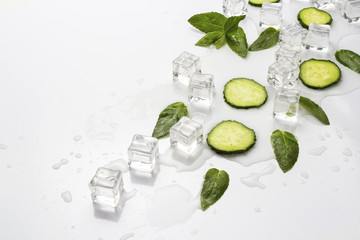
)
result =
(106, 187)
(186, 135)
(142, 153)
(184, 66)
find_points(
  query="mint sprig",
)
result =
(221, 30)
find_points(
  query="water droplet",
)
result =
(3, 147)
(62, 162)
(321, 137)
(127, 236)
(304, 175)
(328, 135)
(253, 180)
(257, 209)
(317, 151)
(73, 227)
(347, 152)
(140, 81)
(8, 166)
(66, 196)
(339, 134)
(346, 159)
(78, 155)
(194, 231)
(77, 138)
(284, 184)
(79, 170)
(335, 169)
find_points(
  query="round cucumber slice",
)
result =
(230, 137)
(258, 3)
(319, 74)
(244, 93)
(313, 15)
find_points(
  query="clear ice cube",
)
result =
(184, 66)
(289, 54)
(142, 153)
(270, 15)
(106, 187)
(235, 7)
(324, 4)
(286, 105)
(351, 11)
(318, 37)
(201, 89)
(292, 35)
(283, 74)
(186, 135)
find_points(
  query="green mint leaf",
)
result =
(168, 117)
(220, 42)
(349, 59)
(286, 149)
(314, 109)
(209, 39)
(236, 39)
(208, 22)
(267, 39)
(232, 23)
(215, 184)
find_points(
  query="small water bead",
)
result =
(77, 138)
(335, 169)
(328, 135)
(339, 134)
(304, 175)
(317, 151)
(62, 162)
(3, 147)
(66, 196)
(347, 152)
(321, 138)
(257, 209)
(127, 236)
(78, 155)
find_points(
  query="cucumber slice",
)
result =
(313, 15)
(244, 93)
(258, 3)
(229, 137)
(319, 74)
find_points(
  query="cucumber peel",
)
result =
(258, 3)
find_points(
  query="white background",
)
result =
(102, 70)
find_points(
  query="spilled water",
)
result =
(317, 151)
(58, 165)
(171, 205)
(253, 180)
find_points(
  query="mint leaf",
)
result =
(209, 39)
(208, 22)
(168, 117)
(349, 59)
(267, 39)
(215, 184)
(232, 23)
(236, 39)
(314, 109)
(286, 149)
(220, 42)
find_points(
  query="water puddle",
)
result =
(253, 180)
(58, 165)
(171, 205)
(317, 151)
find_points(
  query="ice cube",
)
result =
(235, 7)
(201, 89)
(292, 35)
(283, 74)
(286, 105)
(270, 15)
(106, 187)
(142, 153)
(324, 4)
(184, 66)
(351, 11)
(318, 37)
(289, 54)
(186, 135)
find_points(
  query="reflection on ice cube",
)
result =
(142, 153)
(286, 105)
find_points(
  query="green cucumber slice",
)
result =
(313, 15)
(258, 3)
(244, 93)
(230, 137)
(319, 74)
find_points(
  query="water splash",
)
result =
(253, 180)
